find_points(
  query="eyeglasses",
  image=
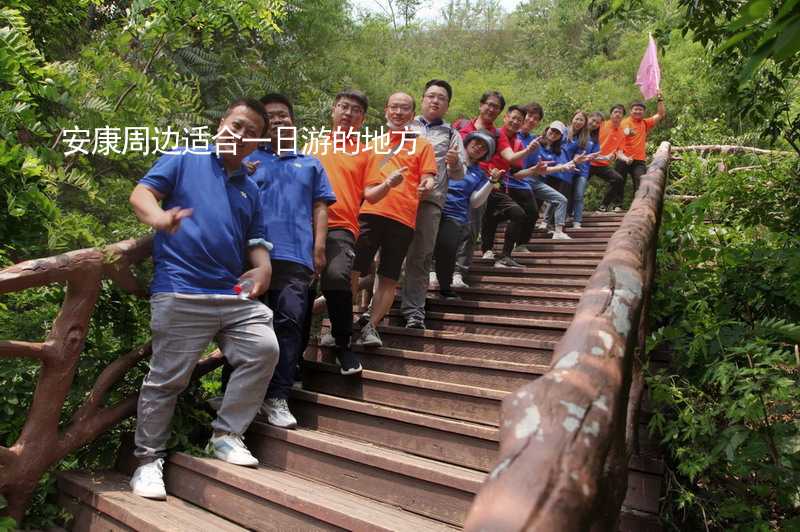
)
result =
(399, 108)
(347, 108)
(436, 97)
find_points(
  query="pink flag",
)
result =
(649, 76)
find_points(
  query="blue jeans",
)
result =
(579, 184)
(557, 200)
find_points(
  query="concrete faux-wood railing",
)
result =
(566, 438)
(42, 443)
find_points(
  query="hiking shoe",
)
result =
(488, 255)
(277, 413)
(561, 235)
(369, 337)
(617, 209)
(449, 294)
(507, 262)
(522, 248)
(433, 281)
(362, 321)
(542, 226)
(576, 225)
(349, 362)
(415, 323)
(327, 340)
(458, 281)
(230, 448)
(148, 480)
(602, 208)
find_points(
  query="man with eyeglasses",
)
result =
(347, 163)
(404, 170)
(448, 150)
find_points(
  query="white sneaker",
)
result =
(489, 255)
(576, 225)
(148, 480)
(458, 281)
(433, 281)
(542, 226)
(327, 340)
(617, 209)
(230, 448)
(561, 235)
(278, 414)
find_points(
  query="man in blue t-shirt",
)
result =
(295, 194)
(208, 222)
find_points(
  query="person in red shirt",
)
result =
(403, 168)
(632, 160)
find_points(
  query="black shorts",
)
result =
(390, 236)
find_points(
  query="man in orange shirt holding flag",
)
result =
(404, 167)
(632, 160)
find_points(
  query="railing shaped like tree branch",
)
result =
(42, 442)
(566, 438)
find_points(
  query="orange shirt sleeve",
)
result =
(650, 123)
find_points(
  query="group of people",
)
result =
(242, 235)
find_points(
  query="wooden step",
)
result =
(568, 253)
(446, 399)
(104, 501)
(416, 484)
(488, 325)
(268, 499)
(484, 373)
(535, 349)
(544, 310)
(395, 317)
(542, 268)
(526, 281)
(462, 443)
(552, 295)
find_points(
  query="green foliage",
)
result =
(728, 305)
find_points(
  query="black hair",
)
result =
(252, 104)
(617, 106)
(353, 94)
(276, 97)
(439, 83)
(534, 108)
(489, 94)
(517, 108)
(638, 103)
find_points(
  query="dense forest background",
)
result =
(728, 297)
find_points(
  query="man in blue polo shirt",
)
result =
(208, 222)
(295, 194)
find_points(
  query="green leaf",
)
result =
(788, 43)
(754, 10)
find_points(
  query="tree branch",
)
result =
(145, 71)
(722, 148)
(15, 349)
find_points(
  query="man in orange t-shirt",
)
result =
(610, 138)
(347, 163)
(403, 167)
(632, 160)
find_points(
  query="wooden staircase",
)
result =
(406, 445)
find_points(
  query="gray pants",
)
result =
(418, 261)
(557, 201)
(464, 255)
(183, 326)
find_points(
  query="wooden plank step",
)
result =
(499, 308)
(420, 485)
(479, 281)
(567, 253)
(504, 284)
(484, 373)
(268, 499)
(446, 399)
(109, 494)
(535, 349)
(511, 294)
(555, 323)
(512, 329)
(456, 442)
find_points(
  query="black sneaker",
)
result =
(362, 321)
(449, 294)
(349, 362)
(415, 323)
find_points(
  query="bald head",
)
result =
(399, 110)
